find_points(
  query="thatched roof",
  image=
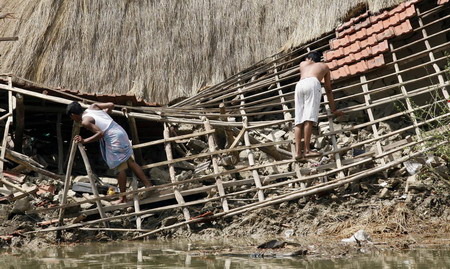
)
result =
(159, 50)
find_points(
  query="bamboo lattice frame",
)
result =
(266, 91)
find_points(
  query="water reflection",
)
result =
(176, 254)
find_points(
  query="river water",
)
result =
(156, 254)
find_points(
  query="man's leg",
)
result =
(137, 170)
(298, 140)
(308, 132)
(122, 179)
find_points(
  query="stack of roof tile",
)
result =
(360, 43)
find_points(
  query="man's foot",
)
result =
(312, 154)
(147, 194)
(120, 201)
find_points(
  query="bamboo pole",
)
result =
(337, 155)
(92, 181)
(216, 198)
(172, 139)
(73, 151)
(432, 57)
(176, 191)
(7, 126)
(12, 38)
(405, 93)
(250, 156)
(214, 161)
(20, 122)
(369, 112)
(137, 206)
(291, 195)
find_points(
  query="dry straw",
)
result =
(159, 50)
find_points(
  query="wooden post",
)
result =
(137, 206)
(7, 125)
(20, 120)
(212, 148)
(92, 181)
(73, 151)
(134, 135)
(176, 191)
(60, 145)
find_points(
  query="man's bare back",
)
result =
(309, 68)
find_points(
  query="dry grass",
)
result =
(159, 50)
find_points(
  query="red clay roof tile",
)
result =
(380, 48)
(397, 9)
(375, 62)
(403, 28)
(369, 41)
(347, 31)
(386, 34)
(357, 68)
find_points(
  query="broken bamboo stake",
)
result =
(73, 151)
(178, 196)
(92, 181)
(214, 161)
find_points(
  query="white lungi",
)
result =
(307, 100)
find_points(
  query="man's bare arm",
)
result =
(98, 134)
(329, 91)
(107, 107)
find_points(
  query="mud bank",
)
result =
(313, 226)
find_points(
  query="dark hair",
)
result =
(315, 56)
(74, 108)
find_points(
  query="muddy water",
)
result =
(187, 255)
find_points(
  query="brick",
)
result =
(386, 34)
(403, 28)
(375, 62)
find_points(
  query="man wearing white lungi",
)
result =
(115, 145)
(307, 101)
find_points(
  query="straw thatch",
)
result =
(159, 50)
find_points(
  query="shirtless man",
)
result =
(307, 101)
(115, 145)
